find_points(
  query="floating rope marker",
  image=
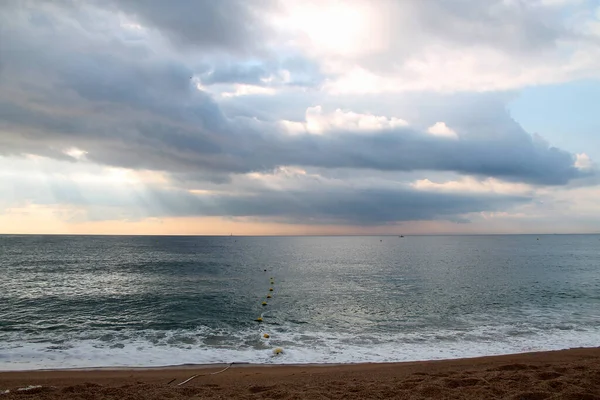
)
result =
(266, 336)
(277, 351)
(264, 303)
(269, 296)
(259, 319)
(270, 289)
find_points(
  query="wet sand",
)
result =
(567, 374)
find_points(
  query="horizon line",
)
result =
(301, 235)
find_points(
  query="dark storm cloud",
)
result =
(144, 112)
(68, 81)
(231, 25)
(341, 205)
(315, 203)
(128, 106)
(208, 141)
(519, 158)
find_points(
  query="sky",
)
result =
(299, 117)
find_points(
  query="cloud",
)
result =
(281, 72)
(137, 109)
(48, 189)
(372, 207)
(190, 133)
(317, 122)
(229, 25)
(241, 115)
(472, 185)
(245, 90)
(290, 195)
(442, 130)
(235, 73)
(458, 45)
(583, 162)
(402, 27)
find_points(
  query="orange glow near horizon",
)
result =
(34, 219)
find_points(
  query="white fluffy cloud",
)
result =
(441, 129)
(318, 122)
(583, 161)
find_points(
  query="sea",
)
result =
(138, 301)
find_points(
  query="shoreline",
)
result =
(241, 364)
(572, 374)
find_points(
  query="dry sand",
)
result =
(568, 374)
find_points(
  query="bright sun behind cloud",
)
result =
(332, 27)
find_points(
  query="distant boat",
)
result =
(401, 236)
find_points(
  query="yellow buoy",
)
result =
(259, 319)
(264, 303)
(266, 336)
(270, 289)
(268, 296)
(278, 351)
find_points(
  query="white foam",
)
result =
(143, 349)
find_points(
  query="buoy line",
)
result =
(265, 335)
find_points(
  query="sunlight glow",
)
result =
(331, 26)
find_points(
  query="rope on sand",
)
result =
(212, 373)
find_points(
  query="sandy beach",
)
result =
(567, 374)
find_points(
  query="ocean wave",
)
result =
(207, 346)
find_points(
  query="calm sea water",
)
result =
(77, 301)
